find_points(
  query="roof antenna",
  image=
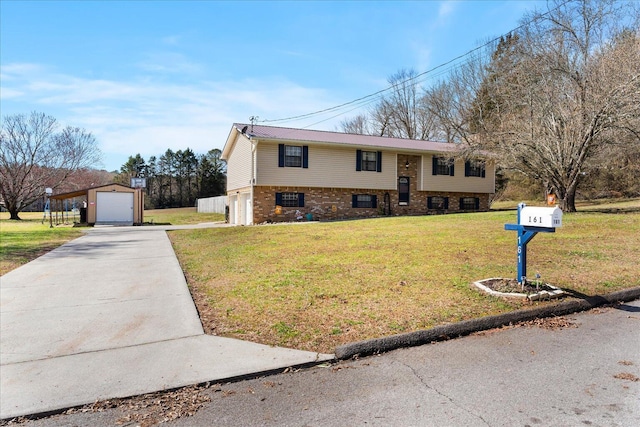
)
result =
(253, 120)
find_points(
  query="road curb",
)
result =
(445, 332)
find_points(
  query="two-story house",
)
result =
(281, 174)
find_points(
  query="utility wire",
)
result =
(365, 100)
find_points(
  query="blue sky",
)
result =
(144, 76)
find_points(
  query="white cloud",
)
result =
(172, 40)
(169, 63)
(147, 117)
(10, 93)
(446, 9)
(12, 71)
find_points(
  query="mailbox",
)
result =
(541, 217)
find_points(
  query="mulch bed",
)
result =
(512, 286)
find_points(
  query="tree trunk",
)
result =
(13, 211)
(568, 200)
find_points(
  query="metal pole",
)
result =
(522, 258)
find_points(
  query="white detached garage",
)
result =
(112, 204)
(115, 204)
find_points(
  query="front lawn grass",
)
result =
(179, 216)
(314, 286)
(24, 240)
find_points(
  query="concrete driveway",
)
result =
(109, 315)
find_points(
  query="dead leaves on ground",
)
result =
(626, 376)
(552, 323)
(154, 408)
(549, 323)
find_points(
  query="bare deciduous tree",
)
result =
(399, 114)
(454, 103)
(571, 87)
(358, 125)
(34, 155)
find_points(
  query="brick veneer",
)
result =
(326, 204)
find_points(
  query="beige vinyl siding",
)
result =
(457, 183)
(329, 167)
(239, 164)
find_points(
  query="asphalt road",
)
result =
(583, 369)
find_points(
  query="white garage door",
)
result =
(114, 208)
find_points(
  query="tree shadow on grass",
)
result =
(600, 301)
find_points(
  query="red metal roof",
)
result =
(308, 135)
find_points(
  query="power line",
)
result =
(418, 78)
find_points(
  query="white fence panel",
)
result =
(212, 204)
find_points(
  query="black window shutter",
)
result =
(477, 203)
(461, 203)
(484, 166)
(359, 160)
(301, 200)
(354, 200)
(374, 201)
(429, 202)
(451, 168)
(434, 164)
(281, 155)
(278, 199)
(467, 167)
(379, 162)
(446, 203)
(305, 156)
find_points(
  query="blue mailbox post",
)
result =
(531, 221)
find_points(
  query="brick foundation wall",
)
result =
(328, 204)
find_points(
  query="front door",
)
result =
(403, 190)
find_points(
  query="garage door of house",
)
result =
(114, 208)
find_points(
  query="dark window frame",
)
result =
(469, 203)
(288, 160)
(475, 168)
(404, 197)
(369, 161)
(290, 199)
(440, 203)
(360, 201)
(365, 161)
(291, 159)
(443, 166)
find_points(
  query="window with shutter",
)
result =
(474, 168)
(469, 203)
(369, 161)
(293, 156)
(438, 203)
(442, 166)
(290, 200)
(364, 201)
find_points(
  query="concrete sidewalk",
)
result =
(109, 315)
